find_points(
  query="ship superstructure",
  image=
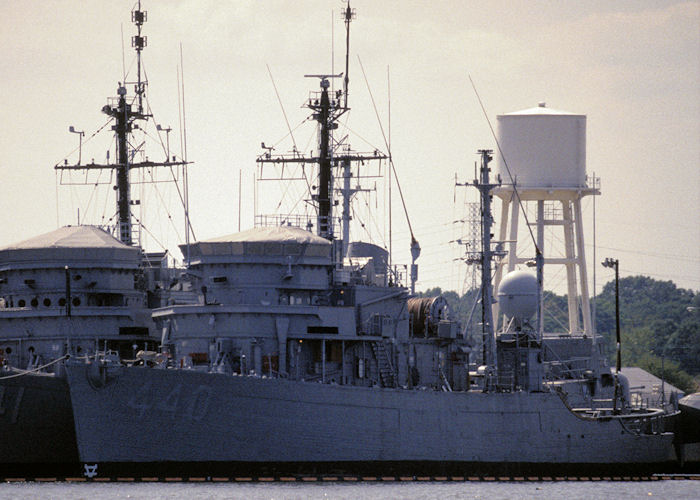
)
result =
(282, 301)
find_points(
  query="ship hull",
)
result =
(36, 422)
(156, 416)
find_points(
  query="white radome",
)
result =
(517, 295)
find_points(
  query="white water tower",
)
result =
(542, 152)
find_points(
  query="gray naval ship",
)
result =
(307, 353)
(71, 293)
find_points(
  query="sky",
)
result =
(632, 67)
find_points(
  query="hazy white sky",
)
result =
(633, 67)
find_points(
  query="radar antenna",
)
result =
(138, 42)
(348, 15)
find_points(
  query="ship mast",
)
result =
(325, 177)
(124, 117)
(327, 107)
(138, 17)
(486, 257)
(349, 15)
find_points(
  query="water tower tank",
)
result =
(544, 148)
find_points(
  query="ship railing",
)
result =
(505, 381)
(638, 402)
(574, 368)
(108, 356)
(593, 182)
(294, 220)
(315, 100)
(331, 376)
(645, 421)
(571, 368)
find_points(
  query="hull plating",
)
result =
(36, 421)
(149, 415)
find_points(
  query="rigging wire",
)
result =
(388, 91)
(94, 190)
(279, 141)
(170, 167)
(372, 221)
(284, 113)
(188, 226)
(303, 169)
(372, 146)
(150, 112)
(123, 56)
(505, 163)
(358, 218)
(391, 161)
(653, 254)
(85, 141)
(104, 208)
(149, 233)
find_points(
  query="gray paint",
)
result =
(183, 415)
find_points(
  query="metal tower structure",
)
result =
(126, 112)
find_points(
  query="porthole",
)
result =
(8, 350)
(76, 301)
(47, 302)
(62, 302)
(35, 302)
(21, 303)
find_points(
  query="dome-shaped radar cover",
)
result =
(517, 295)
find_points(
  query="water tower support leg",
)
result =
(572, 290)
(585, 297)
